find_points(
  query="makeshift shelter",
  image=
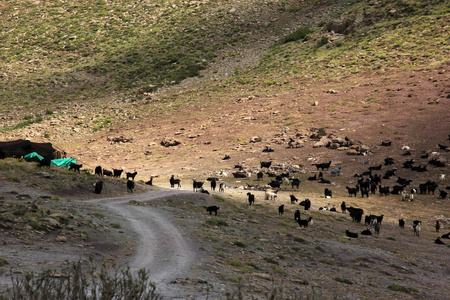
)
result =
(33, 156)
(62, 162)
(21, 148)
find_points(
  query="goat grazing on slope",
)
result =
(174, 181)
(197, 184)
(306, 203)
(98, 171)
(130, 186)
(416, 227)
(304, 223)
(270, 194)
(131, 175)
(293, 199)
(75, 167)
(117, 173)
(98, 187)
(251, 198)
(212, 209)
(281, 209)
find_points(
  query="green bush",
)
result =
(297, 35)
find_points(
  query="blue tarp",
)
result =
(63, 162)
(33, 156)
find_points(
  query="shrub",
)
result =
(343, 280)
(81, 281)
(116, 225)
(323, 41)
(400, 288)
(297, 35)
(3, 262)
(215, 222)
(239, 244)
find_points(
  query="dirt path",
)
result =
(163, 249)
(166, 251)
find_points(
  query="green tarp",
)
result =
(33, 156)
(63, 162)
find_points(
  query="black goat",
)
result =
(375, 168)
(431, 187)
(408, 164)
(150, 182)
(443, 194)
(75, 167)
(367, 220)
(267, 149)
(131, 175)
(352, 191)
(313, 177)
(293, 199)
(322, 180)
(351, 234)
(174, 181)
(251, 198)
(396, 189)
(368, 231)
(401, 223)
(274, 184)
(306, 203)
(384, 190)
(390, 173)
(297, 215)
(130, 185)
(438, 241)
(45, 162)
(281, 209)
(212, 209)
(117, 173)
(295, 182)
(98, 171)
(343, 206)
(197, 185)
(107, 173)
(266, 164)
(388, 161)
(446, 236)
(328, 193)
(404, 181)
(98, 187)
(356, 214)
(364, 191)
(260, 175)
(323, 166)
(213, 182)
(304, 223)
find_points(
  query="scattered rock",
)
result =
(255, 139)
(170, 142)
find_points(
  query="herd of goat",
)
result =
(369, 182)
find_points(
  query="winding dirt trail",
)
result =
(162, 247)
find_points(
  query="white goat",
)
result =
(270, 194)
(442, 177)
